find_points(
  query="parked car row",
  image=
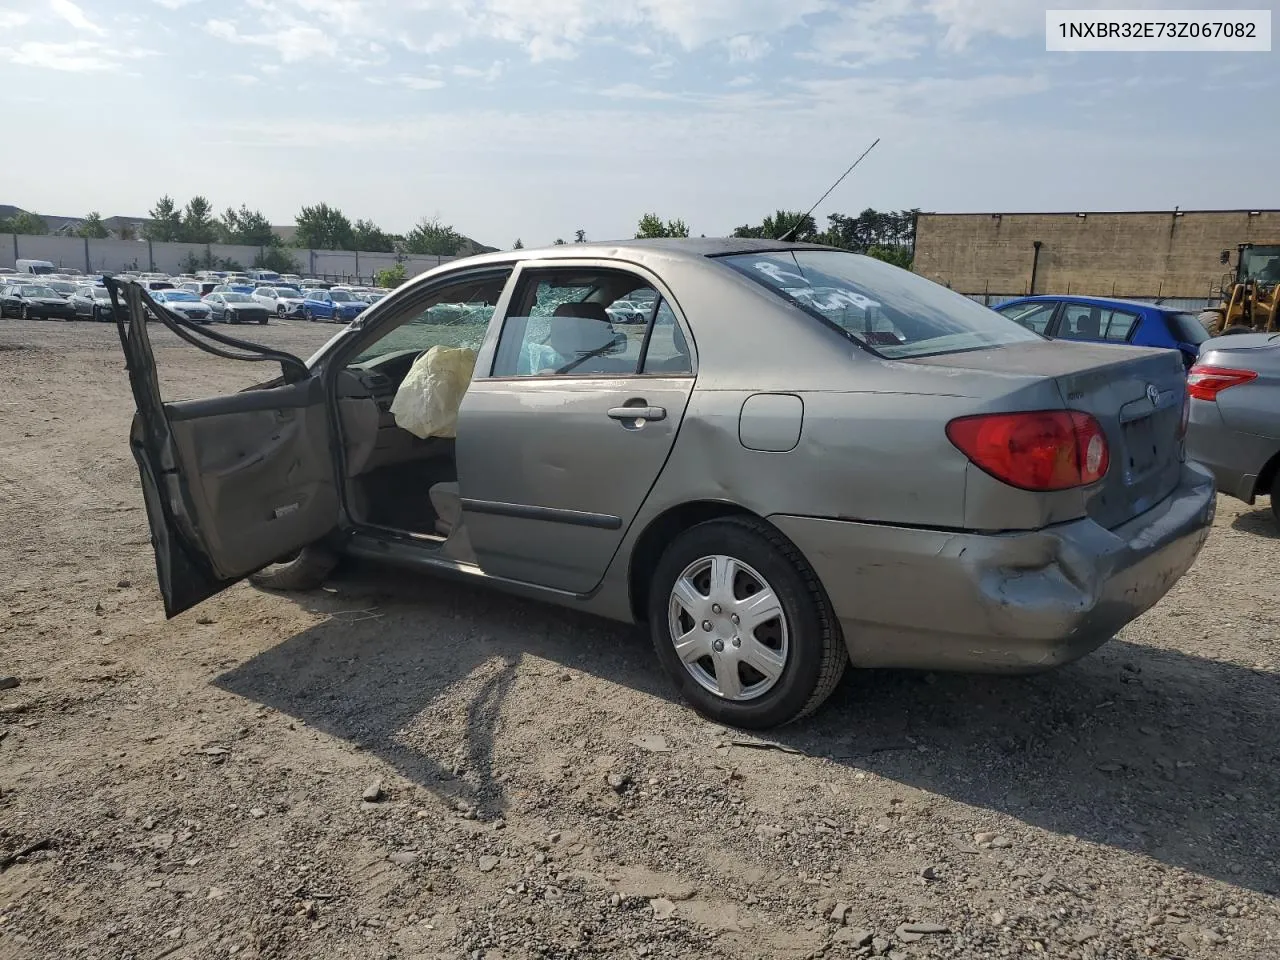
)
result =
(204, 297)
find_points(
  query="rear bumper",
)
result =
(1017, 602)
(1235, 459)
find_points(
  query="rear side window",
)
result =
(1033, 316)
(588, 322)
(1186, 328)
(889, 311)
(1083, 321)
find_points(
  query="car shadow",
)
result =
(1139, 748)
(1261, 522)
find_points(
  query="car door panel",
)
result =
(231, 483)
(550, 482)
(261, 472)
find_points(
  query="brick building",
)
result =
(1146, 254)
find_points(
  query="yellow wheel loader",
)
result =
(1250, 300)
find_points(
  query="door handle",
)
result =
(638, 413)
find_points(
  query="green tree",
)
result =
(432, 236)
(93, 227)
(898, 256)
(276, 258)
(579, 236)
(127, 232)
(651, 226)
(322, 227)
(518, 245)
(559, 242)
(198, 224)
(249, 227)
(30, 224)
(367, 235)
(779, 223)
(166, 221)
(390, 277)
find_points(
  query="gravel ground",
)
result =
(399, 767)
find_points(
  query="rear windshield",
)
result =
(889, 311)
(1186, 328)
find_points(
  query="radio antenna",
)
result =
(796, 226)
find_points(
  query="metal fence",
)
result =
(1189, 304)
(96, 256)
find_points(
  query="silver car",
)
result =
(803, 459)
(1235, 415)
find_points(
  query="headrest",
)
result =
(573, 337)
(589, 311)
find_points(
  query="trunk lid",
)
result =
(1136, 394)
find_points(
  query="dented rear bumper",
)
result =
(1016, 602)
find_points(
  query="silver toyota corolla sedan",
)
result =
(802, 458)
(1235, 415)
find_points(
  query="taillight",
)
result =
(1039, 450)
(1206, 382)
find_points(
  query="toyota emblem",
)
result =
(1153, 394)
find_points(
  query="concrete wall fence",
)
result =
(95, 256)
(1159, 254)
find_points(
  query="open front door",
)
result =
(231, 483)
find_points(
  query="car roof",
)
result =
(1098, 301)
(686, 248)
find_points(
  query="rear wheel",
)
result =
(741, 624)
(263, 320)
(1275, 496)
(26, 313)
(281, 311)
(305, 570)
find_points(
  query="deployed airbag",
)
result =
(427, 402)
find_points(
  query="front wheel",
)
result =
(26, 313)
(306, 315)
(305, 570)
(281, 312)
(263, 320)
(741, 624)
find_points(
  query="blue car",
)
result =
(1102, 320)
(339, 305)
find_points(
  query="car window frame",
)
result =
(1135, 312)
(1055, 311)
(531, 269)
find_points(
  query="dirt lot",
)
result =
(397, 767)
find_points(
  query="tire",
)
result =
(281, 312)
(231, 317)
(1275, 496)
(306, 570)
(264, 320)
(802, 645)
(306, 315)
(26, 313)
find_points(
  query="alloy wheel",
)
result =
(728, 627)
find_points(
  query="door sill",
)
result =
(374, 544)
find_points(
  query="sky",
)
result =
(533, 118)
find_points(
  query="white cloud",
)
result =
(745, 48)
(73, 56)
(245, 79)
(870, 32)
(12, 19)
(292, 40)
(744, 80)
(419, 83)
(176, 4)
(68, 11)
(488, 75)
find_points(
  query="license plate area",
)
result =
(1142, 452)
